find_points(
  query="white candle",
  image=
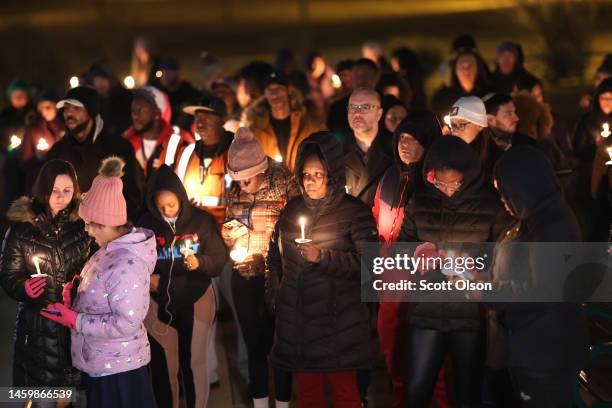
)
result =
(605, 130)
(36, 264)
(303, 226)
(609, 150)
(15, 142)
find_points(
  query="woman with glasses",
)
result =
(455, 205)
(260, 189)
(313, 279)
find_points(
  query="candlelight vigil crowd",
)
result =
(133, 213)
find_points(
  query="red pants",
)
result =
(311, 389)
(392, 330)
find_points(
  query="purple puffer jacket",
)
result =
(112, 302)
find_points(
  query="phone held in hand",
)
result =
(235, 228)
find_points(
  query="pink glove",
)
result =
(34, 287)
(428, 250)
(66, 292)
(66, 316)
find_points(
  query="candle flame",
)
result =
(15, 142)
(74, 82)
(239, 253)
(336, 82)
(129, 82)
(278, 158)
(42, 145)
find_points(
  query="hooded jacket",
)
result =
(400, 180)
(194, 229)
(42, 347)
(112, 301)
(589, 128)
(87, 156)
(541, 335)
(321, 324)
(473, 214)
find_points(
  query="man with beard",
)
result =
(86, 143)
(154, 140)
(368, 149)
(201, 165)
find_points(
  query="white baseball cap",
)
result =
(470, 108)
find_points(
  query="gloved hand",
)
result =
(66, 316)
(34, 287)
(428, 250)
(66, 292)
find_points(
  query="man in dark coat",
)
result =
(546, 341)
(87, 143)
(368, 149)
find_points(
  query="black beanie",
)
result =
(423, 125)
(83, 96)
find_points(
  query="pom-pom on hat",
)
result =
(246, 158)
(104, 203)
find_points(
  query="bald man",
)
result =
(368, 149)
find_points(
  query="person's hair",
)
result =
(366, 63)
(254, 74)
(344, 65)
(412, 71)
(391, 79)
(482, 75)
(494, 102)
(43, 186)
(528, 82)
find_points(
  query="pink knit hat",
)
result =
(104, 203)
(245, 157)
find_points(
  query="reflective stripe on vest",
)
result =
(184, 161)
(173, 144)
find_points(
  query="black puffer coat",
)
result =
(321, 324)
(472, 214)
(42, 347)
(541, 335)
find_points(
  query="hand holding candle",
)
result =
(42, 145)
(239, 253)
(303, 239)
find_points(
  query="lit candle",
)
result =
(609, 150)
(447, 120)
(605, 130)
(186, 249)
(36, 262)
(336, 82)
(74, 82)
(42, 145)
(239, 253)
(158, 74)
(302, 239)
(15, 142)
(346, 188)
(129, 82)
(278, 158)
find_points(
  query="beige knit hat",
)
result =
(245, 157)
(104, 203)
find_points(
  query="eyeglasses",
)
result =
(364, 108)
(440, 185)
(459, 125)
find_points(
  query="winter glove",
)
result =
(34, 287)
(66, 316)
(66, 292)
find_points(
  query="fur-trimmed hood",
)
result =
(259, 110)
(22, 210)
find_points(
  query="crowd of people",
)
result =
(130, 213)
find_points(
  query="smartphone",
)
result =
(52, 311)
(236, 228)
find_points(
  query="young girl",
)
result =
(109, 341)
